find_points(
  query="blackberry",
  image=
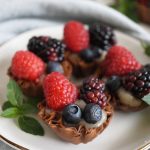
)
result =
(92, 91)
(47, 48)
(138, 82)
(102, 36)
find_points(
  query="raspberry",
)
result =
(76, 36)
(119, 61)
(92, 91)
(102, 36)
(138, 82)
(59, 92)
(47, 48)
(26, 65)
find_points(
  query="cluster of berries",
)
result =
(45, 52)
(64, 99)
(88, 43)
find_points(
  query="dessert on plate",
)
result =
(52, 52)
(126, 79)
(29, 68)
(113, 78)
(87, 47)
(134, 89)
(28, 71)
(76, 116)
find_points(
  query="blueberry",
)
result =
(54, 67)
(72, 114)
(113, 83)
(90, 54)
(92, 113)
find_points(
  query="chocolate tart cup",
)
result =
(30, 88)
(81, 68)
(67, 68)
(119, 106)
(75, 135)
(35, 88)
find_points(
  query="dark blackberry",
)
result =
(138, 82)
(37, 44)
(90, 54)
(102, 36)
(92, 91)
(46, 48)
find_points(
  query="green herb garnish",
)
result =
(128, 8)
(146, 48)
(18, 106)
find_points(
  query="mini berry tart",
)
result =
(86, 49)
(52, 52)
(28, 71)
(29, 68)
(131, 91)
(73, 120)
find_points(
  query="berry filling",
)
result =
(102, 36)
(61, 95)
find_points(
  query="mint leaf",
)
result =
(28, 108)
(30, 125)
(33, 101)
(12, 112)
(146, 99)
(147, 50)
(128, 8)
(14, 93)
(6, 105)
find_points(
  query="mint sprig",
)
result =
(30, 125)
(128, 8)
(18, 106)
(6, 105)
(14, 93)
(12, 112)
(146, 48)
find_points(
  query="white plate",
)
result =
(127, 131)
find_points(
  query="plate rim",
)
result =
(12, 144)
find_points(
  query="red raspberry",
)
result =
(76, 36)
(119, 61)
(58, 91)
(26, 65)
